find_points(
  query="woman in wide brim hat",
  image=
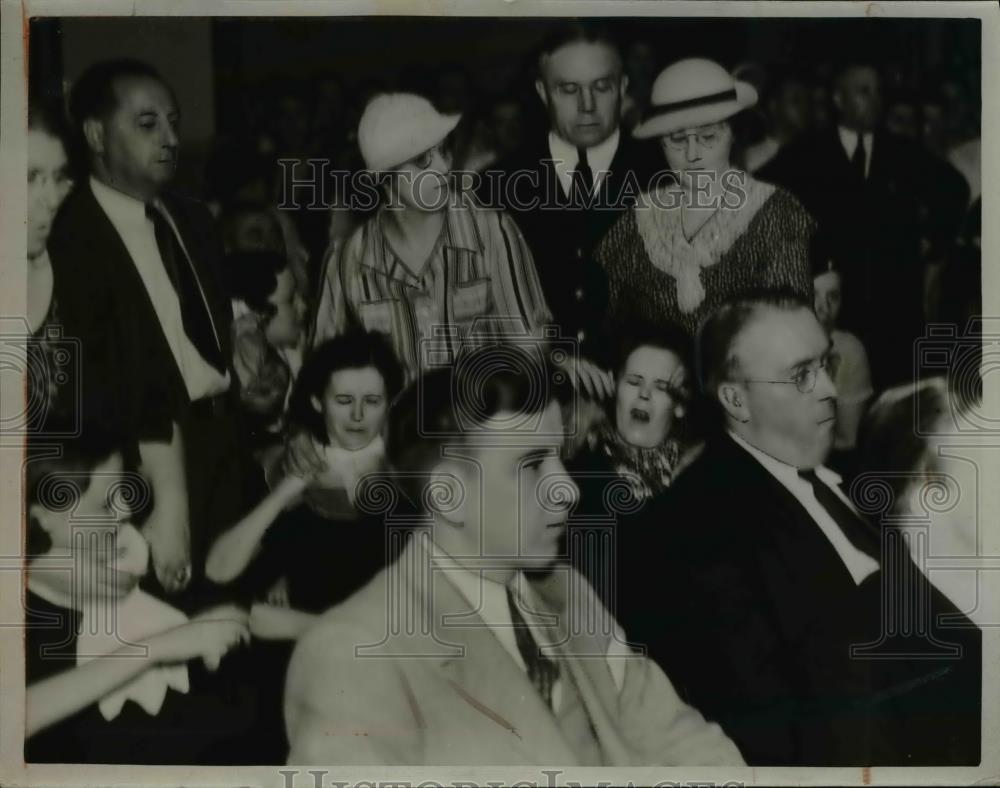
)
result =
(705, 231)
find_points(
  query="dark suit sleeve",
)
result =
(699, 611)
(121, 380)
(88, 317)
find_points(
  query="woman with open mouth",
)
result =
(634, 451)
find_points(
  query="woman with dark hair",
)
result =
(635, 450)
(84, 564)
(709, 231)
(338, 408)
(49, 182)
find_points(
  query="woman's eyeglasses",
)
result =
(707, 137)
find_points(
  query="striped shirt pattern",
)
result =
(479, 286)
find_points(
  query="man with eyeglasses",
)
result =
(756, 575)
(567, 187)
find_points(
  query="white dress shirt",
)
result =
(489, 599)
(128, 216)
(849, 140)
(565, 158)
(859, 564)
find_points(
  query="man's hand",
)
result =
(169, 537)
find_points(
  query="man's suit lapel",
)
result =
(123, 277)
(582, 650)
(792, 552)
(487, 679)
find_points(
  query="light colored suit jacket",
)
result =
(406, 673)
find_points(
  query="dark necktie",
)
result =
(542, 671)
(194, 311)
(857, 530)
(583, 178)
(858, 159)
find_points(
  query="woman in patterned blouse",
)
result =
(705, 231)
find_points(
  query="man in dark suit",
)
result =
(888, 201)
(774, 606)
(136, 282)
(568, 187)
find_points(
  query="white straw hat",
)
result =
(395, 127)
(692, 93)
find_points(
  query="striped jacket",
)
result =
(478, 285)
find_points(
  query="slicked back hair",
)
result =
(443, 405)
(715, 361)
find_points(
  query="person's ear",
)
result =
(732, 396)
(623, 85)
(540, 89)
(444, 493)
(93, 133)
(317, 405)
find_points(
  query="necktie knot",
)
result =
(583, 177)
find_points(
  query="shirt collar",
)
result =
(120, 207)
(849, 138)
(486, 596)
(598, 157)
(782, 471)
(461, 232)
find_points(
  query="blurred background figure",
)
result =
(902, 115)
(641, 66)
(849, 368)
(268, 324)
(788, 113)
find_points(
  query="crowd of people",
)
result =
(344, 484)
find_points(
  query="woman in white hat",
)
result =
(431, 269)
(706, 230)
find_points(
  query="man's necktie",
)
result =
(858, 531)
(194, 311)
(542, 671)
(858, 159)
(583, 178)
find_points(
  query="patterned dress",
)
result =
(657, 276)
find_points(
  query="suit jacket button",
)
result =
(579, 253)
(579, 294)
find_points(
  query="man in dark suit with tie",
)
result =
(776, 608)
(569, 186)
(889, 203)
(136, 282)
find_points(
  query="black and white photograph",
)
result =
(499, 391)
